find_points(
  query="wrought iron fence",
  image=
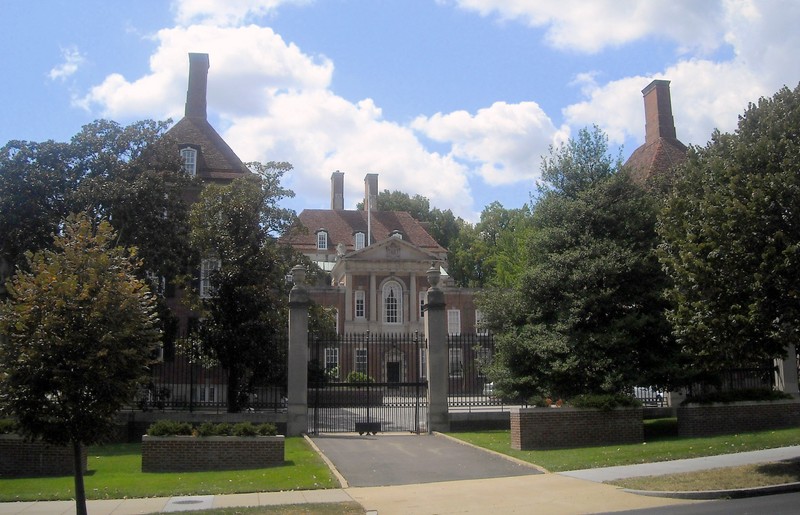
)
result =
(469, 356)
(183, 382)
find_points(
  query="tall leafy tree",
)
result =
(587, 314)
(244, 319)
(731, 231)
(79, 331)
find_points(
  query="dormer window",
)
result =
(322, 239)
(189, 156)
(358, 240)
(396, 234)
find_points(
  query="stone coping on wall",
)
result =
(198, 453)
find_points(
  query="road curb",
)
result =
(739, 493)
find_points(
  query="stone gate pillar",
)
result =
(786, 372)
(297, 412)
(436, 335)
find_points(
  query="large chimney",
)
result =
(371, 192)
(337, 191)
(658, 112)
(198, 82)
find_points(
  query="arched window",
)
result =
(189, 156)
(392, 303)
(322, 240)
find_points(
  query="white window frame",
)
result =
(454, 322)
(360, 300)
(480, 329)
(422, 298)
(189, 156)
(361, 359)
(322, 240)
(358, 240)
(455, 361)
(423, 363)
(207, 267)
(392, 303)
(332, 357)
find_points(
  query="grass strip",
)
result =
(345, 508)
(728, 478)
(115, 472)
(661, 445)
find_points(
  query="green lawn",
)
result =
(115, 472)
(661, 444)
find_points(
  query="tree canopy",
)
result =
(80, 329)
(243, 322)
(586, 314)
(731, 231)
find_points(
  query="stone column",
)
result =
(436, 335)
(297, 413)
(413, 303)
(373, 300)
(786, 372)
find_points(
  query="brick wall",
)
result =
(736, 417)
(19, 458)
(187, 453)
(560, 428)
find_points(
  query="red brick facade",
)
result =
(19, 458)
(562, 428)
(735, 417)
(194, 454)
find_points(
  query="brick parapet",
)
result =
(21, 458)
(736, 417)
(193, 454)
(561, 428)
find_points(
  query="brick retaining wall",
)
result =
(736, 417)
(561, 428)
(193, 454)
(19, 458)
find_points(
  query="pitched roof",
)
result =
(656, 160)
(215, 159)
(341, 225)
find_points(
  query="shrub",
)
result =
(753, 394)
(358, 377)
(605, 401)
(7, 426)
(244, 429)
(267, 429)
(206, 429)
(169, 428)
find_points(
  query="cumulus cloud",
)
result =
(596, 25)
(225, 13)
(73, 59)
(503, 141)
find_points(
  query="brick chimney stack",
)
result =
(198, 83)
(658, 112)
(371, 192)
(337, 191)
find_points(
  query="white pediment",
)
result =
(391, 254)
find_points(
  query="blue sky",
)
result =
(456, 100)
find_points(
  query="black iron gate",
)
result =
(367, 383)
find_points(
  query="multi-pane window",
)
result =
(189, 156)
(332, 362)
(361, 361)
(322, 240)
(423, 363)
(359, 240)
(453, 322)
(392, 303)
(480, 327)
(422, 296)
(207, 267)
(456, 362)
(360, 304)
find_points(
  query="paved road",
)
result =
(387, 459)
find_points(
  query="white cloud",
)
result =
(504, 141)
(593, 26)
(73, 59)
(225, 13)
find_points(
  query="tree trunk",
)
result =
(80, 491)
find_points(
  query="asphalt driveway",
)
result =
(383, 460)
